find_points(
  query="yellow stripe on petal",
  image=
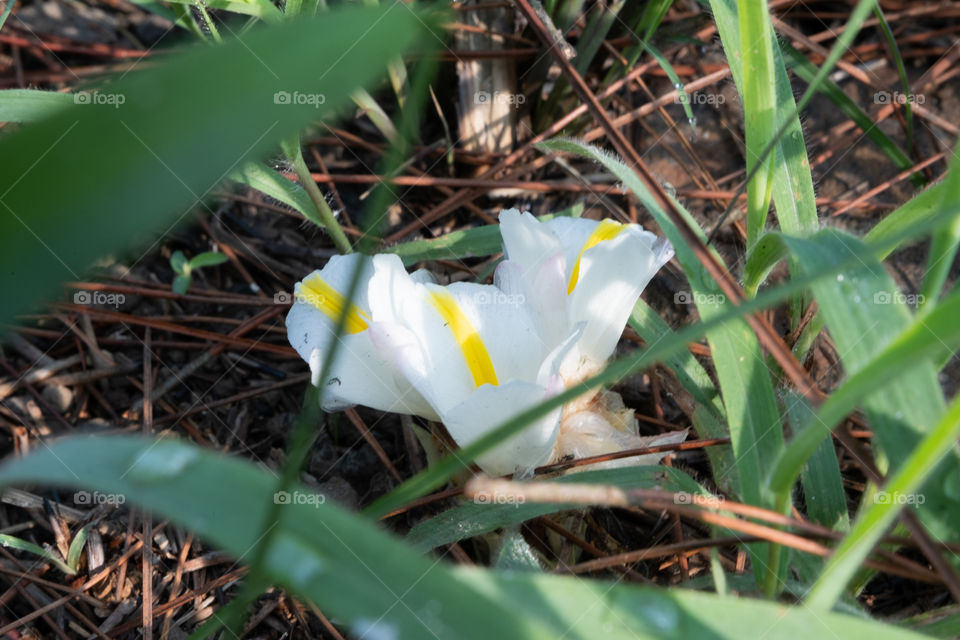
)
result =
(315, 290)
(606, 230)
(471, 344)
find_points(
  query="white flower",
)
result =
(473, 356)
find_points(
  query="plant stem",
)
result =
(323, 209)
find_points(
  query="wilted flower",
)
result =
(475, 355)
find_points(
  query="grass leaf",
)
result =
(13, 542)
(52, 190)
(373, 583)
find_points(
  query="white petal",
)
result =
(338, 271)
(488, 408)
(526, 241)
(360, 375)
(423, 275)
(573, 234)
(414, 332)
(309, 328)
(550, 368)
(544, 292)
(612, 276)
(506, 334)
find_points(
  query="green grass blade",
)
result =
(943, 250)
(602, 18)
(263, 9)
(793, 184)
(822, 484)
(374, 584)
(759, 108)
(76, 547)
(587, 609)
(31, 105)
(675, 79)
(12, 542)
(901, 71)
(762, 257)
(647, 24)
(6, 14)
(161, 165)
(691, 374)
(889, 233)
(792, 188)
(888, 357)
(896, 230)
(653, 14)
(921, 464)
(319, 550)
(808, 71)
(922, 341)
(943, 244)
(328, 221)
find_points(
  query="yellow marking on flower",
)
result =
(315, 290)
(606, 230)
(470, 342)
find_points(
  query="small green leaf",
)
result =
(181, 283)
(178, 262)
(268, 181)
(207, 259)
(76, 547)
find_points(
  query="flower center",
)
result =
(317, 292)
(606, 230)
(471, 344)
